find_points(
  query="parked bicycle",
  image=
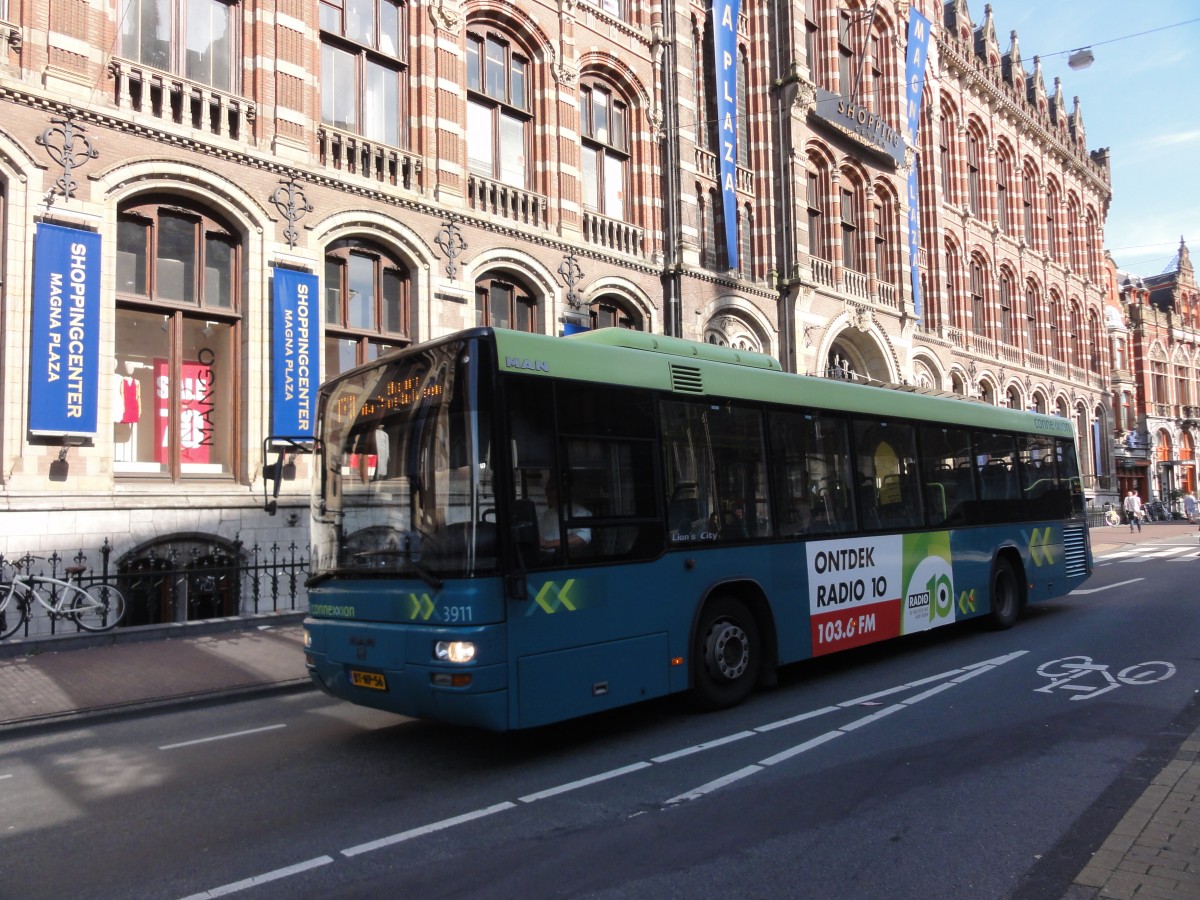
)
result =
(97, 607)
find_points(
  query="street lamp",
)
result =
(1081, 58)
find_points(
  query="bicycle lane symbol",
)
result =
(1089, 679)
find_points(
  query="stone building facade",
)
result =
(437, 164)
(1154, 336)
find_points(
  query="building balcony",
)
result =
(614, 235)
(178, 101)
(371, 161)
(503, 201)
(822, 271)
(855, 283)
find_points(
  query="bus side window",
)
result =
(945, 459)
(886, 460)
(811, 455)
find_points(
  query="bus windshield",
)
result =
(404, 482)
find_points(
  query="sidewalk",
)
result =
(47, 680)
(1153, 852)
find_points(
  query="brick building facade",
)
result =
(442, 164)
(1154, 334)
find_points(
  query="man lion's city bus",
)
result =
(710, 518)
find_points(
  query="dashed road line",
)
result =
(941, 682)
(221, 737)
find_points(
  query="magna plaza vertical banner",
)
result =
(725, 17)
(64, 358)
(295, 371)
(914, 80)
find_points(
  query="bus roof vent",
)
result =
(686, 379)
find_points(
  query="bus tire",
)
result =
(1005, 599)
(727, 654)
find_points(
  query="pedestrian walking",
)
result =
(1133, 510)
(1189, 508)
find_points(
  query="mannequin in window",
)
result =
(127, 396)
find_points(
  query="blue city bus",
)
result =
(510, 530)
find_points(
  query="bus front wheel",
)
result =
(1006, 595)
(727, 654)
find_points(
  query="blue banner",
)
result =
(64, 358)
(725, 16)
(914, 79)
(295, 359)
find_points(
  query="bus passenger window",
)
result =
(886, 475)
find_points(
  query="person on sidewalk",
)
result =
(1133, 510)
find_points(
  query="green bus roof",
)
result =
(619, 356)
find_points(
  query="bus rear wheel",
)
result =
(1006, 596)
(727, 654)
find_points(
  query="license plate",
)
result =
(371, 680)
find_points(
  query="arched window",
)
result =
(974, 175)
(945, 157)
(1056, 348)
(1052, 204)
(853, 255)
(498, 102)
(978, 300)
(743, 109)
(364, 73)
(612, 312)
(887, 238)
(1033, 340)
(604, 134)
(505, 302)
(198, 39)
(179, 276)
(1013, 397)
(1075, 336)
(1003, 173)
(367, 304)
(712, 232)
(746, 242)
(818, 223)
(1008, 334)
(953, 297)
(1028, 192)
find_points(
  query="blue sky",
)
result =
(1138, 98)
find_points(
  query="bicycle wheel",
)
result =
(13, 609)
(97, 608)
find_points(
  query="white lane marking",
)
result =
(1107, 587)
(1169, 551)
(714, 785)
(583, 782)
(955, 676)
(698, 748)
(221, 737)
(2, 777)
(427, 829)
(256, 880)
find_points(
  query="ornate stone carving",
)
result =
(805, 100)
(447, 15)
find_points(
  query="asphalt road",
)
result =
(962, 763)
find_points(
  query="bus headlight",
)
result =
(454, 651)
(307, 639)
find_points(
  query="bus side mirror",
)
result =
(273, 474)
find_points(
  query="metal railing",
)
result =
(164, 587)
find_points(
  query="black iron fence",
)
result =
(174, 584)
